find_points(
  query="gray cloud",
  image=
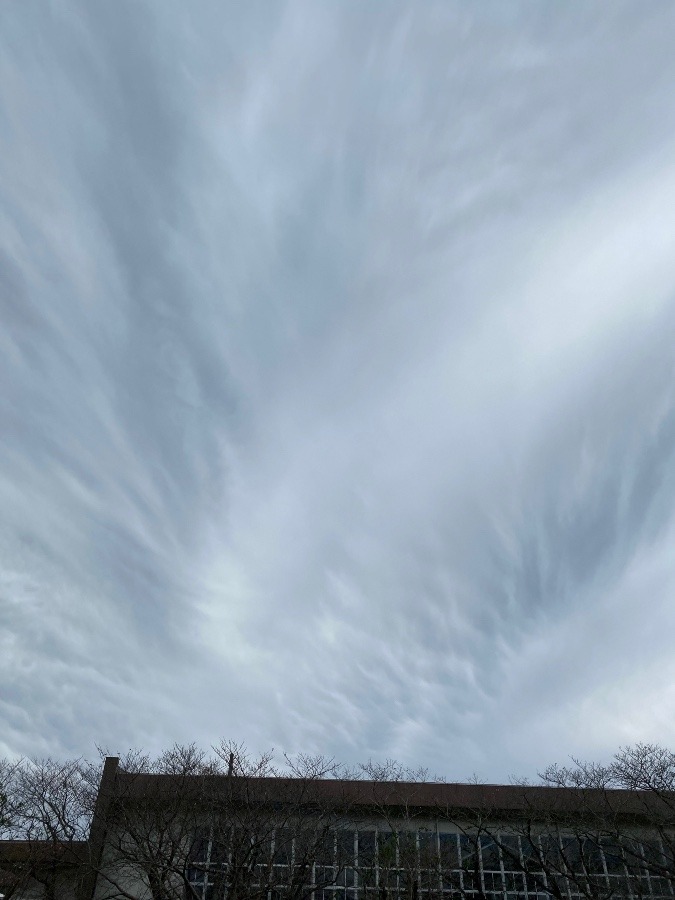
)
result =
(337, 407)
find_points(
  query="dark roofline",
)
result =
(434, 797)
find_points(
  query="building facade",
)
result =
(225, 837)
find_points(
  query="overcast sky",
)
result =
(337, 395)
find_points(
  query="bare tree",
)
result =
(399, 856)
(187, 825)
(48, 810)
(587, 831)
(638, 826)
(591, 832)
(8, 780)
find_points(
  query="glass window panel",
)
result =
(598, 881)
(592, 856)
(325, 848)
(324, 875)
(535, 882)
(386, 848)
(557, 881)
(283, 846)
(366, 847)
(429, 858)
(471, 880)
(468, 850)
(633, 856)
(367, 875)
(429, 879)
(195, 875)
(345, 847)
(489, 851)
(620, 886)
(659, 885)
(305, 842)
(572, 855)
(514, 881)
(261, 851)
(653, 854)
(389, 879)
(200, 846)
(449, 849)
(407, 849)
(510, 851)
(408, 882)
(492, 881)
(452, 881)
(220, 850)
(261, 872)
(345, 877)
(280, 876)
(548, 851)
(532, 854)
(613, 857)
(428, 848)
(669, 853)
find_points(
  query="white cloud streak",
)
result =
(337, 406)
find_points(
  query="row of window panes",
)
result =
(467, 887)
(456, 851)
(213, 891)
(496, 862)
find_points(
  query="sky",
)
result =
(337, 395)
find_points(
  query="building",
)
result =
(209, 837)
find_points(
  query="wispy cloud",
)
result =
(336, 353)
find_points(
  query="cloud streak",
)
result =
(337, 408)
